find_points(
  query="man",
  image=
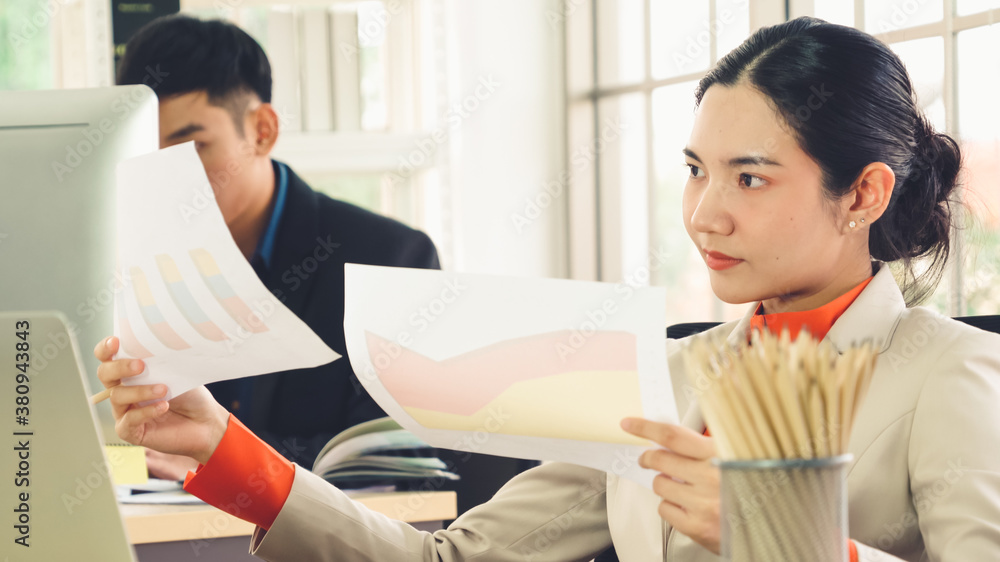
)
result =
(214, 86)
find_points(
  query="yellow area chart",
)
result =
(580, 405)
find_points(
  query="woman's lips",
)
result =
(719, 261)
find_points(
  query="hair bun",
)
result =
(920, 211)
(934, 166)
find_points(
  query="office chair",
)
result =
(988, 323)
(677, 331)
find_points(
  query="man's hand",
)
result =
(169, 467)
(191, 424)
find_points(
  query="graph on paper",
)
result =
(189, 303)
(198, 313)
(224, 293)
(540, 385)
(181, 295)
(541, 369)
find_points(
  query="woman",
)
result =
(809, 159)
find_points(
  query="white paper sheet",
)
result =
(187, 302)
(531, 368)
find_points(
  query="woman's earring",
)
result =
(862, 220)
(852, 224)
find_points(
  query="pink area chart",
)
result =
(540, 385)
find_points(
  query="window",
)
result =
(55, 44)
(26, 55)
(627, 125)
(978, 126)
(636, 63)
(950, 48)
(344, 75)
(360, 86)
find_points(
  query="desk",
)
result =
(201, 532)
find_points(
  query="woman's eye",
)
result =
(750, 181)
(696, 172)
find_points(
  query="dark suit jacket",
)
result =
(298, 411)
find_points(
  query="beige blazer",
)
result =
(924, 483)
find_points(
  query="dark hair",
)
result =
(850, 102)
(182, 54)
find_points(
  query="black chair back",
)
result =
(678, 331)
(988, 323)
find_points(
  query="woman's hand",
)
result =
(687, 483)
(191, 424)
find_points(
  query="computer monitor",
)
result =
(58, 154)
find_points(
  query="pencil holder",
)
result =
(784, 509)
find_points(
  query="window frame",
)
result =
(948, 29)
(595, 225)
(594, 233)
(341, 147)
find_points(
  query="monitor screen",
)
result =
(58, 155)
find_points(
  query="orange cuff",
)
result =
(852, 549)
(245, 477)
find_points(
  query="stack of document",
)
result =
(378, 452)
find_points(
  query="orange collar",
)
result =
(818, 321)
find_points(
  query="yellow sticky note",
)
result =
(128, 464)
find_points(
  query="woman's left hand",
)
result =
(687, 483)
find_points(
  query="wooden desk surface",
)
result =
(165, 523)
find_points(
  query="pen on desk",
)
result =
(101, 396)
